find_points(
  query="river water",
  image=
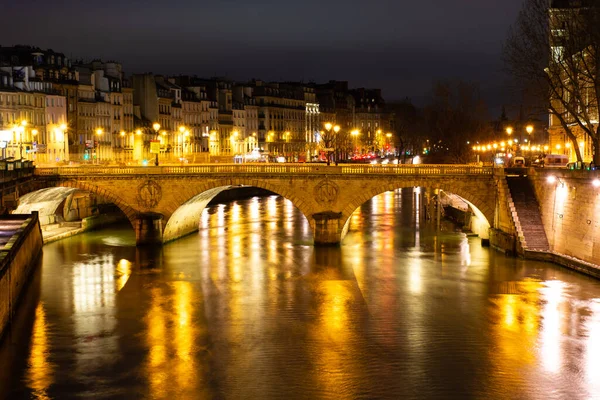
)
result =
(249, 309)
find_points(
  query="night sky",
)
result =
(397, 45)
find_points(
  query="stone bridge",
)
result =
(165, 203)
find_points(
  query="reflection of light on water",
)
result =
(592, 353)
(123, 272)
(254, 208)
(465, 253)
(334, 315)
(415, 280)
(235, 212)
(510, 309)
(271, 207)
(550, 332)
(184, 371)
(114, 241)
(388, 202)
(204, 222)
(221, 215)
(157, 341)
(40, 370)
(417, 211)
(236, 252)
(93, 285)
(94, 292)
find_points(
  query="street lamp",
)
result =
(182, 130)
(156, 127)
(63, 130)
(233, 140)
(509, 130)
(34, 133)
(389, 140)
(21, 135)
(99, 132)
(355, 134)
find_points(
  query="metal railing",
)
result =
(270, 169)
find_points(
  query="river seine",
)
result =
(248, 308)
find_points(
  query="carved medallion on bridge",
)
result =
(326, 192)
(149, 194)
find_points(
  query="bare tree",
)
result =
(555, 52)
(456, 115)
(409, 130)
(327, 143)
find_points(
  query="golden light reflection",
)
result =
(333, 333)
(254, 209)
(415, 279)
(235, 211)
(123, 272)
(185, 335)
(272, 207)
(417, 211)
(171, 337)
(550, 334)
(388, 202)
(94, 285)
(41, 370)
(515, 328)
(592, 355)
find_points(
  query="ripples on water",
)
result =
(249, 309)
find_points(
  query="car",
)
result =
(518, 162)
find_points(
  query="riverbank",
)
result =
(53, 232)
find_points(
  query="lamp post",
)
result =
(21, 134)
(34, 133)
(156, 127)
(182, 131)
(286, 148)
(99, 132)
(233, 142)
(355, 134)
(63, 129)
(122, 134)
(529, 130)
(389, 140)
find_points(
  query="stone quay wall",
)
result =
(17, 260)
(570, 208)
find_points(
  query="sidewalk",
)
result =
(59, 232)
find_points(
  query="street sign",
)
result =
(155, 146)
(328, 149)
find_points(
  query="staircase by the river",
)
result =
(528, 219)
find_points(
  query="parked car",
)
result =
(518, 162)
(555, 161)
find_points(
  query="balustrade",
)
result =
(272, 169)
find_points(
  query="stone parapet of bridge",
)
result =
(164, 203)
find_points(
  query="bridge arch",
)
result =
(478, 197)
(184, 218)
(108, 195)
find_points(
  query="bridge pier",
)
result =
(148, 229)
(328, 227)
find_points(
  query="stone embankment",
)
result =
(20, 246)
